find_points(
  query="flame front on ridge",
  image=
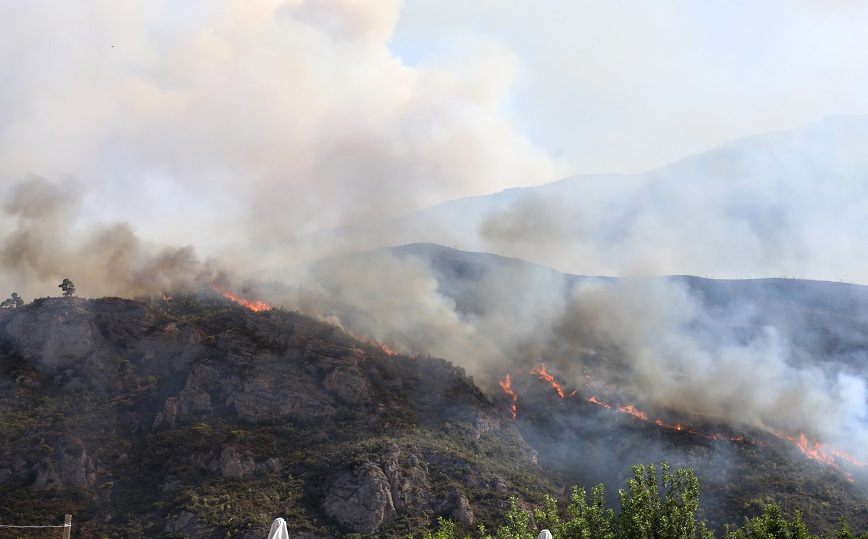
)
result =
(252, 305)
(507, 387)
(813, 450)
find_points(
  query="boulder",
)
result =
(361, 499)
(347, 383)
(235, 464)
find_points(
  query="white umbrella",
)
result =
(278, 529)
(545, 534)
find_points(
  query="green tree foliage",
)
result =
(517, 523)
(770, 525)
(665, 511)
(773, 525)
(445, 530)
(584, 521)
(844, 532)
(14, 302)
(68, 288)
(652, 507)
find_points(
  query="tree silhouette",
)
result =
(68, 288)
(12, 303)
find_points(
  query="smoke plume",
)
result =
(271, 134)
(754, 355)
(243, 127)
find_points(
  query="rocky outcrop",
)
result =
(89, 344)
(346, 382)
(234, 463)
(186, 524)
(264, 396)
(68, 468)
(376, 492)
(462, 512)
(361, 499)
(194, 399)
(53, 334)
(250, 401)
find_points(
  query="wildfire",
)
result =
(507, 387)
(541, 371)
(166, 298)
(639, 414)
(595, 401)
(252, 305)
(812, 449)
(815, 451)
(628, 409)
(383, 347)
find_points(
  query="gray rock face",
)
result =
(361, 499)
(347, 383)
(77, 470)
(187, 524)
(88, 343)
(263, 397)
(235, 464)
(462, 512)
(376, 493)
(66, 469)
(55, 335)
(141, 370)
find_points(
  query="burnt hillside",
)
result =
(200, 418)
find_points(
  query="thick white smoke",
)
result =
(761, 363)
(132, 131)
(239, 127)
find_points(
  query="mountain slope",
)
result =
(780, 204)
(197, 418)
(764, 359)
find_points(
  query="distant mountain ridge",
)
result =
(781, 204)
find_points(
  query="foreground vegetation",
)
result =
(649, 509)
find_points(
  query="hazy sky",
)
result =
(630, 85)
(234, 126)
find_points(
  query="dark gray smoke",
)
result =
(753, 355)
(49, 242)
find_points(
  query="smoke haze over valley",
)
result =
(252, 131)
(665, 207)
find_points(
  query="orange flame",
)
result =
(383, 347)
(815, 451)
(848, 458)
(252, 305)
(543, 375)
(634, 412)
(166, 298)
(603, 404)
(506, 384)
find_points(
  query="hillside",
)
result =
(195, 417)
(777, 204)
(762, 359)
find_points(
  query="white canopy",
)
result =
(278, 529)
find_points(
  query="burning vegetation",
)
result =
(813, 449)
(254, 305)
(506, 384)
